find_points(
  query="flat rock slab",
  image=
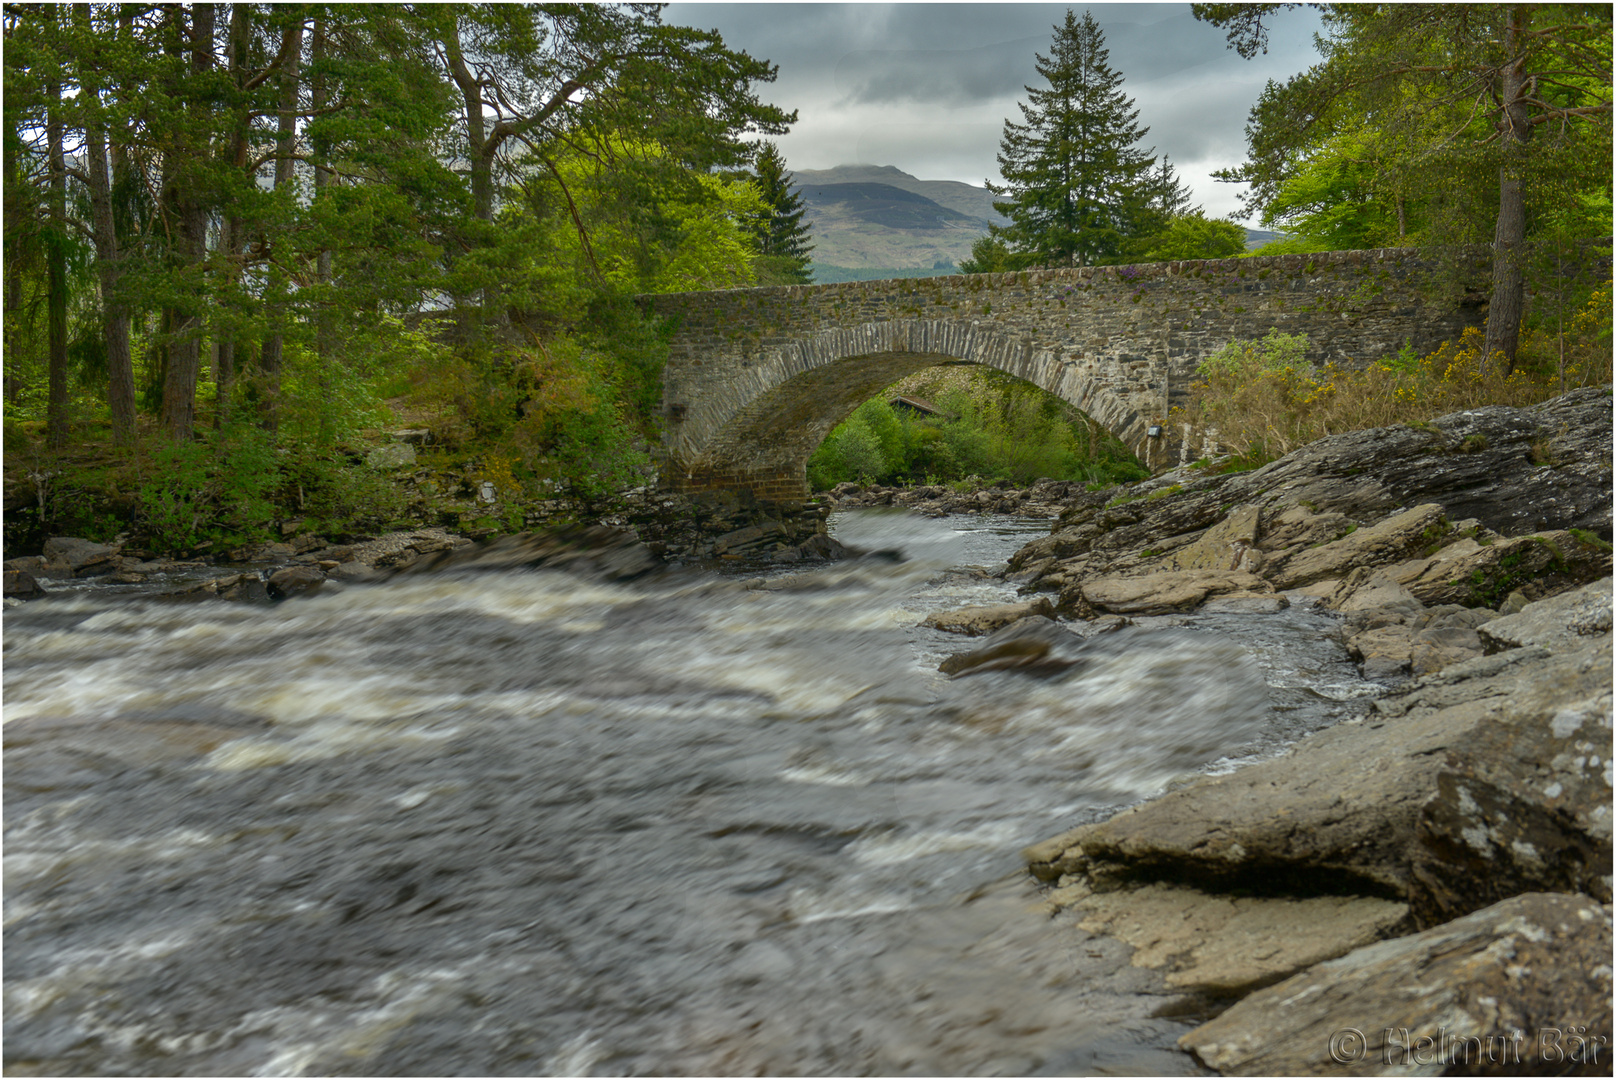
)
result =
(987, 619)
(1169, 591)
(1389, 541)
(1220, 946)
(1451, 999)
(1558, 623)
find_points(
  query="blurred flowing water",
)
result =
(524, 823)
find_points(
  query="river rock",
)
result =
(248, 588)
(1036, 645)
(1228, 545)
(1166, 592)
(21, 585)
(1480, 576)
(1450, 999)
(1342, 504)
(595, 550)
(1558, 623)
(68, 556)
(1222, 946)
(290, 581)
(1344, 811)
(986, 619)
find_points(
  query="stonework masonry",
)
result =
(756, 378)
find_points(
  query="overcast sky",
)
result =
(927, 87)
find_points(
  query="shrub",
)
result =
(1261, 400)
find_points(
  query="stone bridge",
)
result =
(756, 378)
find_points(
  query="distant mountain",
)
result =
(967, 199)
(869, 218)
(879, 216)
(888, 206)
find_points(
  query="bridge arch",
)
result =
(759, 435)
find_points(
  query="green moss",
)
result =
(1589, 540)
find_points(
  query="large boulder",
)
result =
(1350, 809)
(1519, 988)
(1558, 623)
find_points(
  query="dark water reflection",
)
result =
(527, 824)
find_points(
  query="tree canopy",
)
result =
(261, 213)
(1080, 190)
(1437, 124)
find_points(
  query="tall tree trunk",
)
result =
(114, 313)
(191, 217)
(320, 98)
(230, 227)
(270, 359)
(478, 150)
(56, 273)
(1507, 306)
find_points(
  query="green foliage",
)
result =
(781, 236)
(1244, 359)
(1194, 236)
(995, 428)
(1080, 192)
(448, 205)
(217, 488)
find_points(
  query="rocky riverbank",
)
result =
(1427, 887)
(632, 535)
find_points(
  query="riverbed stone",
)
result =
(1228, 545)
(1449, 999)
(1485, 575)
(1524, 803)
(1557, 623)
(1218, 946)
(290, 581)
(21, 585)
(975, 621)
(69, 556)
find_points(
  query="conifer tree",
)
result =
(1078, 186)
(782, 238)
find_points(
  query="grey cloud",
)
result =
(927, 87)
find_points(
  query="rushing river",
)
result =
(525, 823)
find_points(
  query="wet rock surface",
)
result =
(1519, 988)
(1461, 828)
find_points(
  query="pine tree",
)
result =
(1079, 188)
(781, 236)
